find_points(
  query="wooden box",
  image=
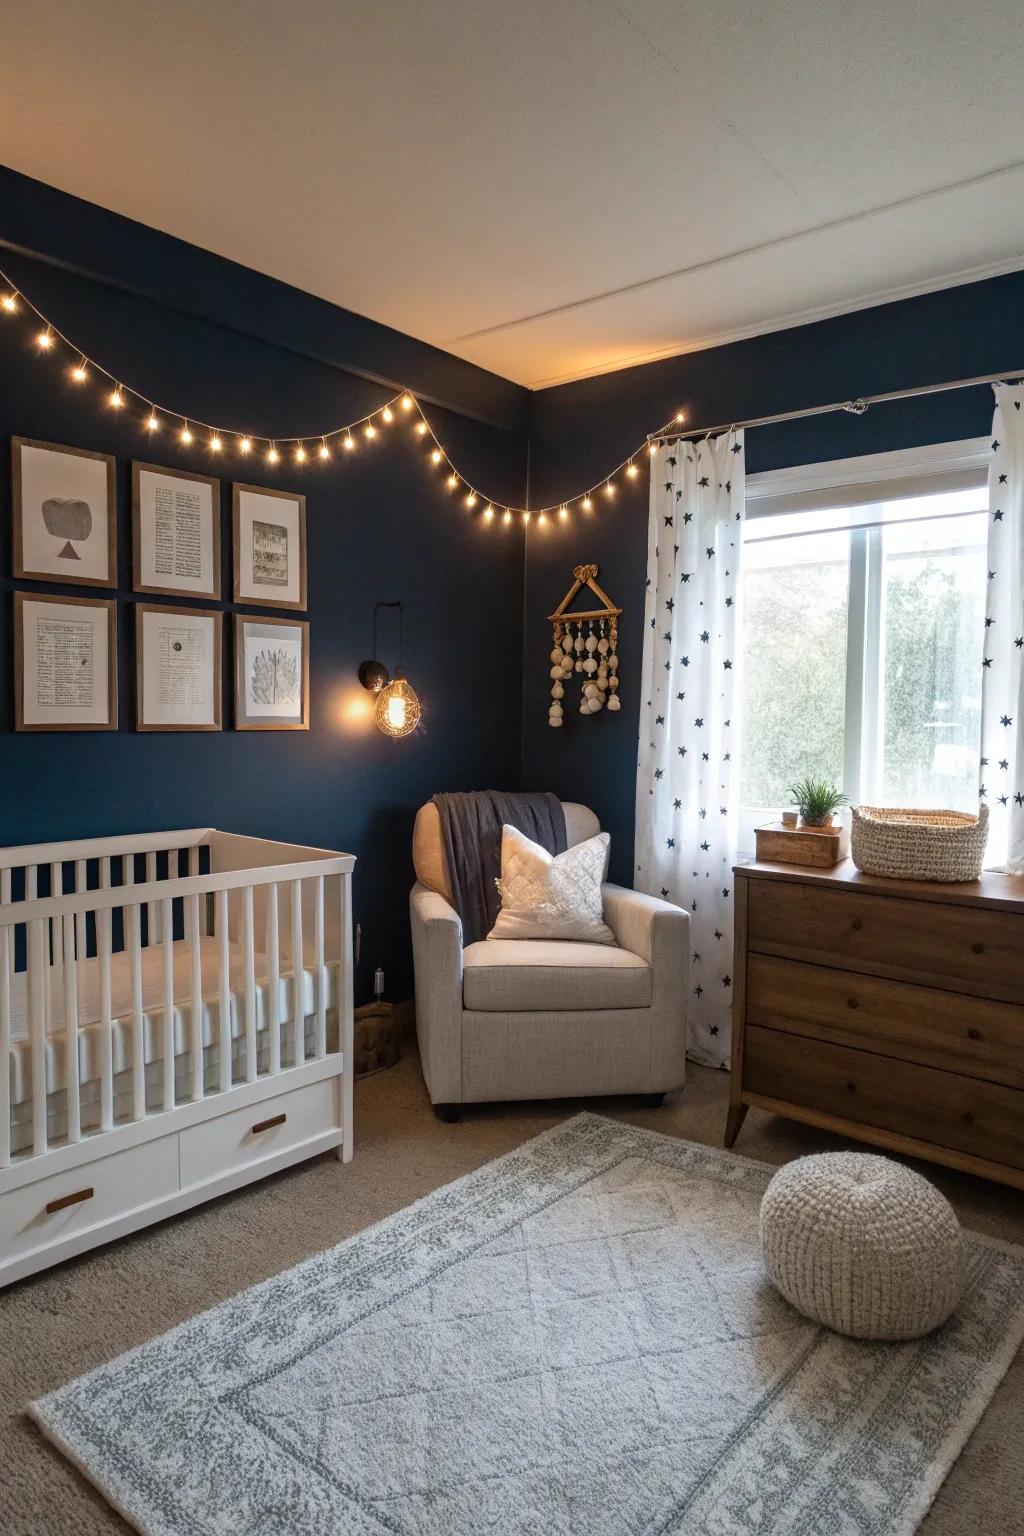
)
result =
(815, 847)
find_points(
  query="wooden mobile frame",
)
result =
(585, 577)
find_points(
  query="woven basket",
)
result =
(919, 845)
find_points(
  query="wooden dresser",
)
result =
(887, 1010)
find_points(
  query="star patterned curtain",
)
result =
(1002, 709)
(686, 818)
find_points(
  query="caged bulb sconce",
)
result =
(397, 711)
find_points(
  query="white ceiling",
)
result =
(546, 187)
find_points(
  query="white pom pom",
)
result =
(590, 665)
(591, 643)
(613, 663)
(555, 708)
(578, 667)
(602, 646)
(555, 672)
(555, 720)
(590, 690)
(556, 655)
(613, 702)
(567, 642)
(558, 692)
(613, 683)
(577, 644)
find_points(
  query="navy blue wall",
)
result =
(379, 526)
(579, 431)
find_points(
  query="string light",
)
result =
(48, 337)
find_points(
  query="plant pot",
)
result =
(817, 824)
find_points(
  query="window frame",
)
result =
(901, 473)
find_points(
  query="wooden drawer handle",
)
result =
(66, 1200)
(852, 1002)
(268, 1125)
(978, 949)
(857, 924)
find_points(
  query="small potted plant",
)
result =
(816, 800)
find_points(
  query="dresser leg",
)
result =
(736, 1116)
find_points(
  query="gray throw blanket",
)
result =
(471, 826)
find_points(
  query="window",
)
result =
(862, 624)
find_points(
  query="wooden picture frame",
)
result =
(283, 559)
(247, 718)
(143, 537)
(63, 517)
(25, 647)
(190, 619)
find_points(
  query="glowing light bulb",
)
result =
(421, 428)
(488, 512)
(407, 402)
(506, 516)
(586, 503)
(437, 456)
(609, 489)
(370, 429)
(80, 373)
(9, 303)
(632, 471)
(563, 513)
(349, 442)
(215, 444)
(116, 398)
(471, 499)
(388, 414)
(542, 517)
(452, 481)
(45, 339)
(680, 416)
(652, 448)
(300, 455)
(526, 518)
(273, 457)
(152, 422)
(186, 434)
(325, 452)
(245, 445)
(396, 712)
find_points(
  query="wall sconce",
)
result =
(397, 711)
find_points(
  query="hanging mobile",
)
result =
(593, 654)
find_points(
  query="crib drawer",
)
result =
(247, 1136)
(58, 1209)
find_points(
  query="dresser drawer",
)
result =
(950, 1030)
(985, 1120)
(65, 1205)
(965, 949)
(247, 1136)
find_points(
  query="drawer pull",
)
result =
(66, 1200)
(852, 1002)
(268, 1125)
(857, 924)
(974, 1034)
(978, 949)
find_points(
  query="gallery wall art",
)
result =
(271, 674)
(175, 532)
(269, 537)
(178, 668)
(65, 663)
(64, 514)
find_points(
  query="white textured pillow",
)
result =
(549, 897)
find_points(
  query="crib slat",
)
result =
(321, 974)
(81, 918)
(138, 1022)
(57, 928)
(153, 928)
(167, 935)
(37, 1030)
(273, 980)
(298, 1001)
(346, 1028)
(5, 1026)
(71, 1074)
(250, 985)
(103, 944)
(195, 936)
(224, 970)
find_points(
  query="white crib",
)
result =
(175, 1022)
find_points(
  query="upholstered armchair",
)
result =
(542, 1018)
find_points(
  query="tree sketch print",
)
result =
(275, 677)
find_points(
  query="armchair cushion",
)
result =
(535, 975)
(428, 845)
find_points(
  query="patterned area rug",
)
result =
(577, 1338)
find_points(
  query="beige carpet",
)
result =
(60, 1324)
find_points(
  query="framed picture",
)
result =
(65, 514)
(178, 676)
(269, 546)
(65, 663)
(271, 674)
(175, 532)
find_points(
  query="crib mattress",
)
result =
(296, 997)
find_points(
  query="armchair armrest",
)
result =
(437, 961)
(644, 924)
(660, 933)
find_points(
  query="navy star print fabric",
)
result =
(1002, 676)
(686, 817)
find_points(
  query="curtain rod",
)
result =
(854, 407)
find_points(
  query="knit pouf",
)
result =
(863, 1245)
